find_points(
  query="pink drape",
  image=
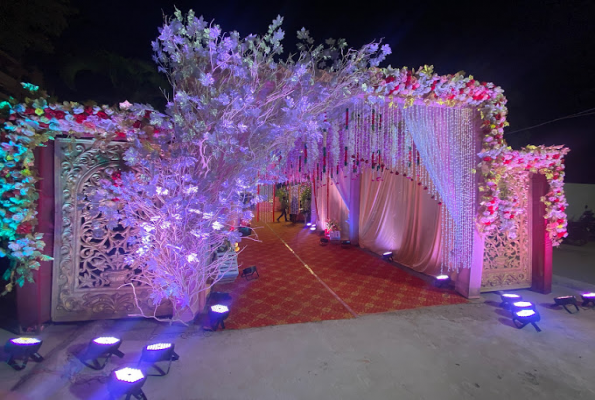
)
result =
(398, 215)
(332, 206)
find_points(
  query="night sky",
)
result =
(539, 52)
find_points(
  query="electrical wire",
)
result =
(576, 115)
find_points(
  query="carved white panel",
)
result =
(89, 267)
(507, 262)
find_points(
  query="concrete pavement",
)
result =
(468, 351)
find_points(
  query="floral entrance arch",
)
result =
(238, 112)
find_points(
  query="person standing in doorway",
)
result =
(284, 205)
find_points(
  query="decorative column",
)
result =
(542, 245)
(34, 299)
(468, 281)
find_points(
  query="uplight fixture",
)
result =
(22, 349)
(566, 301)
(442, 281)
(588, 298)
(521, 305)
(523, 317)
(509, 298)
(218, 313)
(157, 353)
(100, 350)
(127, 382)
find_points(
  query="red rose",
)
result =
(59, 114)
(147, 114)
(89, 110)
(29, 111)
(102, 115)
(44, 126)
(49, 112)
(120, 134)
(25, 228)
(136, 124)
(80, 118)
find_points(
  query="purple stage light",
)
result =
(588, 298)
(508, 298)
(219, 308)
(309, 224)
(20, 350)
(313, 228)
(129, 375)
(106, 340)
(566, 301)
(25, 341)
(158, 346)
(442, 280)
(522, 304)
(127, 381)
(100, 350)
(527, 316)
(157, 353)
(525, 313)
(511, 296)
(217, 315)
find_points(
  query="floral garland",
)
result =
(495, 157)
(27, 125)
(548, 161)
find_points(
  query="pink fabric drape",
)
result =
(398, 215)
(328, 193)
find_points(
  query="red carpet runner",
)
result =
(287, 292)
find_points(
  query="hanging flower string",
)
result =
(25, 126)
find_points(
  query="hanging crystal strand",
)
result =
(368, 137)
(357, 138)
(401, 139)
(393, 138)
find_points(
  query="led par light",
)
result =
(127, 382)
(566, 301)
(100, 350)
(523, 317)
(157, 353)
(20, 350)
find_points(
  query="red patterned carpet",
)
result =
(348, 282)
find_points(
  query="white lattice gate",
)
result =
(506, 261)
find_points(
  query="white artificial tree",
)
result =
(238, 107)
